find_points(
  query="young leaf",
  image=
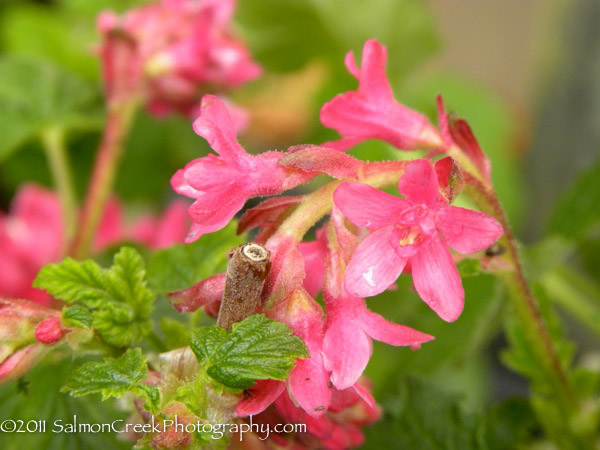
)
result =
(256, 349)
(77, 316)
(118, 298)
(182, 266)
(114, 378)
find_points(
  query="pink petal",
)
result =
(314, 158)
(218, 128)
(346, 350)
(419, 184)
(373, 78)
(314, 254)
(383, 331)
(437, 280)
(216, 212)
(171, 228)
(375, 264)
(468, 231)
(366, 206)
(202, 294)
(259, 397)
(308, 385)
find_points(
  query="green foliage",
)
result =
(577, 211)
(36, 96)
(114, 378)
(36, 397)
(77, 316)
(419, 415)
(256, 349)
(286, 34)
(182, 266)
(118, 298)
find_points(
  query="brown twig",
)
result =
(247, 270)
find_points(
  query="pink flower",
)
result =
(30, 237)
(314, 254)
(419, 230)
(168, 51)
(221, 184)
(371, 112)
(347, 344)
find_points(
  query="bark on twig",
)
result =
(247, 270)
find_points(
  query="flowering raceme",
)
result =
(418, 229)
(31, 236)
(170, 51)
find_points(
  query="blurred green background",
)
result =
(525, 74)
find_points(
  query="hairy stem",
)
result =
(316, 205)
(524, 300)
(107, 159)
(53, 140)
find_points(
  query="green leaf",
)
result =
(175, 333)
(114, 378)
(182, 266)
(77, 317)
(578, 209)
(36, 95)
(118, 298)
(256, 349)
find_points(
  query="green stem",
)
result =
(119, 121)
(574, 293)
(316, 205)
(53, 140)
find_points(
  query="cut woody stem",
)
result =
(247, 271)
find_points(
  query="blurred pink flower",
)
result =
(418, 230)
(172, 50)
(31, 236)
(371, 112)
(221, 184)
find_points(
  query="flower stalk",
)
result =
(119, 120)
(53, 141)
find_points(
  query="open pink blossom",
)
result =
(170, 50)
(371, 112)
(221, 184)
(418, 229)
(351, 326)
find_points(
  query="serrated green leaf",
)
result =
(36, 95)
(114, 378)
(182, 266)
(255, 349)
(77, 316)
(118, 298)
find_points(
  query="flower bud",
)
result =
(49, 331)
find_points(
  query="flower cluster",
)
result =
(32, 235)
(171, 51)
(370, 239)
